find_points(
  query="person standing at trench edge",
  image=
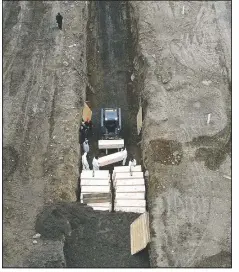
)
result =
(59, 19)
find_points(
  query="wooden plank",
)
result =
(87, 113)
(110, 144)
(104, 204)
(96, 195)
(136, 234)
(128, 182)
(101, 209)
(112, 158)
(95, 182)
(130, 203)
(99, 174)
(95, 199)
(126, 169)
(95, 189)
(131, 209)
(97, 171)
(130, 189)
(139, 119)
(118, 169)
(129, 196)
(128, 176)
(140, 233)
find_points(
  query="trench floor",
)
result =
(109, 69)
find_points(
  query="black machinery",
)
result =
(110, 123)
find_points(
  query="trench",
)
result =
(97, 239)
(110, 66)
(110, 55)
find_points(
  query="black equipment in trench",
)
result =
(110, 123)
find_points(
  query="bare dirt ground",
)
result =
(92, 238)
(185, 48)
(181, 66)
(42, 100)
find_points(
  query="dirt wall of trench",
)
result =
(183, 73)
(43, 93)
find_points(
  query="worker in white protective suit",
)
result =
(86, 147)
(124, 155)
(85, 163)
(132, 164)
(95, 163)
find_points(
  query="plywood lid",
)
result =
(139, 233)
(139, 120)
(87, 113)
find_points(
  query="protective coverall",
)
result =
(95, 164)
(132, 163)
(124, 156)
(85, 163)
(86, 147)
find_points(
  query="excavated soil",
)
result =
(92, 238)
